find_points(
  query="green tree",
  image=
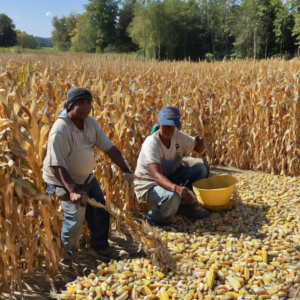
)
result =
(267, 16)
(139, 28)
(157, 23)
(163, 29)
(283, 26)
(84, 35)
(62, 32)
(103, 15)
(253, 28)
(183, 26)
(214, 33)
(26, 41)
(243, 25)
(181, 29)
(294, 6)
(8, 36)
(123, 41)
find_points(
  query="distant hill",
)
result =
(44, 42)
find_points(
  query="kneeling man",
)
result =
(164, 175)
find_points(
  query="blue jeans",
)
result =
(75, 216)
(165, 203)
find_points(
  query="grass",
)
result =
(95, 56)
(17, 49)
(5, 50)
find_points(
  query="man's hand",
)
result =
(77, 195)
(199, 145)
(184, 194)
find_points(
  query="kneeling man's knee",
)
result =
(170, 207)
(175, 200)
(202, 169)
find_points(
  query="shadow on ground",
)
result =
(40, 286)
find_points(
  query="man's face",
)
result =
(81, 109)
(167, 131)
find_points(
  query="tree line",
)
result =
(177, 29)
(10, 37)
(173, 29)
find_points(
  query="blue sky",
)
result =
(35, 16)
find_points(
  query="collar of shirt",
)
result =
(64, 115)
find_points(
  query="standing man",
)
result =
(68, 171)
(165, 176)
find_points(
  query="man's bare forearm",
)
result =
(164, 182)
(116, 156)
(64, 177)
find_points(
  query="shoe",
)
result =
(193, 212)
(106, 253)
(153, 223)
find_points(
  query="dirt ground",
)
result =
(41, 286)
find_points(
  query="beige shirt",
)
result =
(155, 152)
(73, 149)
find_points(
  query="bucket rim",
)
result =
(220, 189)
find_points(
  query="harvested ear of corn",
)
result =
(211, 277)
(192, 194)
(230, 255)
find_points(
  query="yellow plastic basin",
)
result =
(215, 191)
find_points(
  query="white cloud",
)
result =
(49, 14)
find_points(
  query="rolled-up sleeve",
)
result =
(103, 143)
(58, 150)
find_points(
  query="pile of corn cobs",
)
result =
(247, 252)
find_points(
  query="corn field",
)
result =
(247, 110)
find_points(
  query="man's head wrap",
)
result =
(73, 95)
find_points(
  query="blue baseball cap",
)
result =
(169, 116)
